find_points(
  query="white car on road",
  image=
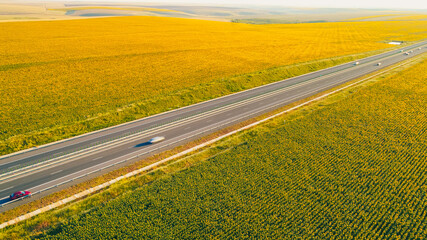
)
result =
(156, 139)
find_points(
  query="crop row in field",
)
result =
(62, 78)
(351, 168)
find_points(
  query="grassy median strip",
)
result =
(328, 118)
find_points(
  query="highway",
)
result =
(48, 165)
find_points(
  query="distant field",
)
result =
(13, 11)
(374, 16)
(393, 17)
(92, 11)
(115, 8)
(272, 21)
(54, 10)
(350, 167)
(412, 17)
(62, 78)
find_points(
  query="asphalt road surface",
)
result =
(46, 166)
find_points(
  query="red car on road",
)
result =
(20, 194)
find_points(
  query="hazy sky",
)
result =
(407, 4)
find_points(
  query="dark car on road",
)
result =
(20, 194)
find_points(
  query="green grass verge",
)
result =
(162, 103)
(350, 166)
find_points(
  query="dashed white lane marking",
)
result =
(56, 172)
(6, 189)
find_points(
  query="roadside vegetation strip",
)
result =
(94, 72)
(349, 167)
(183, 153)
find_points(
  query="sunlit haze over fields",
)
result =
(409, 4)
